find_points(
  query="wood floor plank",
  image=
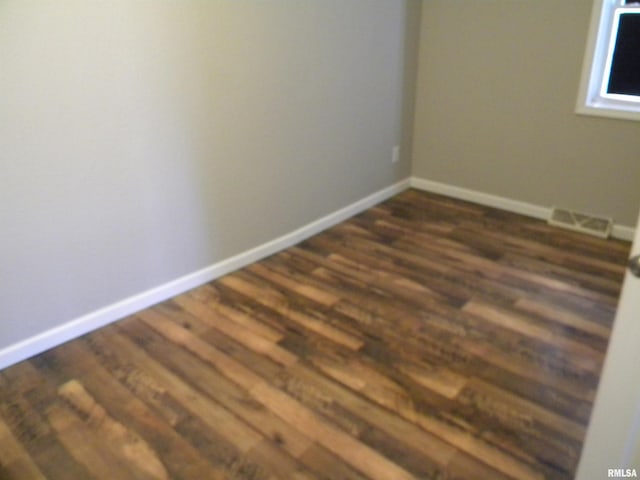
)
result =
(426, 337)
(131, 404)
(88, 448)
(321, 393)
(15, 461)
(262, 393)
(211, 413)
(337, 441)
(327, 465)
(563, 316)
(221, 388)
(460, 439)
(273, 299)
(26, 397)
(207, 297)
(122, 440)
(588, 358)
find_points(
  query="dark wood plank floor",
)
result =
(425, 338)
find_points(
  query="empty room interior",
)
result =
(313, 239)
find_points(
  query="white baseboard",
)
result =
(622, 232)
(110, 313)
(104, 316)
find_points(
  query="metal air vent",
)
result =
(581, 222)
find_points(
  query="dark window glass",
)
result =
(625, 64)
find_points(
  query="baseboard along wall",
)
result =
(128, 306)
(622, 232)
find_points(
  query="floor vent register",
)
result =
(581, 222)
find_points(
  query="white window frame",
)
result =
(592, 96)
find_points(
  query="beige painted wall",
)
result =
(144, 140)
(497, 85)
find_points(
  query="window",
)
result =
(610, 83)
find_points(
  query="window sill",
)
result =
(606, 111)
